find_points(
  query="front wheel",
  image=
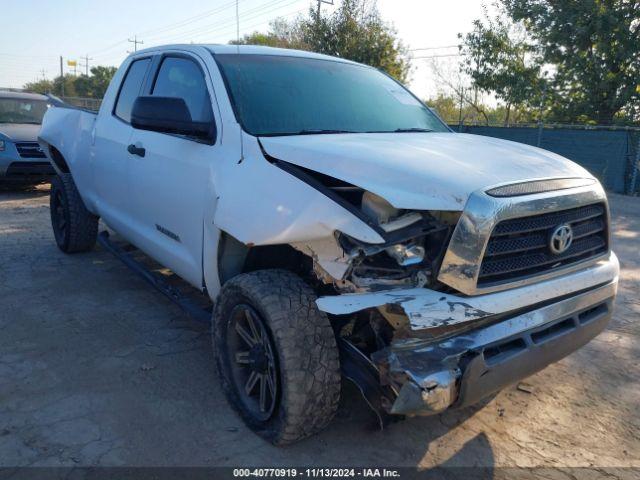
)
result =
(276, 355)
(74, 227)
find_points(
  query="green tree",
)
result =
(100, 78)
(452, 110)
(354, 31)
(281, 34)
(446, 107)
(83, 86)
(499, 60)
(591, 48)
(40, 86)
(93, 86)
(594, 46)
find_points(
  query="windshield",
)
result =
(281, 95)
(17, 110)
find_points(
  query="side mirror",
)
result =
(167, 115)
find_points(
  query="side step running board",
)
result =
(195, 311)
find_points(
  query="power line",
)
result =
(227, 22)
(226, 25)
(206, 38)
(155, 35)
(109, 47)
(438, 56)
(203, 30)
(219, 32)
(433, 48)
(253, 25)
(24, 55)
(154, 31)
(187, 21)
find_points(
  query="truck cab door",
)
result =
(169, 174)
(110, 158)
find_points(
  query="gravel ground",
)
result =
(96, 368)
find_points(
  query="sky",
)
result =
(31, 50)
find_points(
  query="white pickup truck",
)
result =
(339, 227)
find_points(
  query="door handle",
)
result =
(133, 150)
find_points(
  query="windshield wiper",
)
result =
(322, 132)
(409, 130)
(401, 130)
(305, 132)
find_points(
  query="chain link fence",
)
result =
(87, 103)
(610, 153)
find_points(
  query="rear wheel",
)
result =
(276, 355)
(74, 227)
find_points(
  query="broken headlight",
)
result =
(410, 256)
(406, 255)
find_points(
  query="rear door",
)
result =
(110, 160)
(168, 184)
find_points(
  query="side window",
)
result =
(182, 78)
(130, 88)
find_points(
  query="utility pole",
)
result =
(460, 111)
(43, 72)
(135, 42)
(86, 64)
(61, 78)
(320, 2)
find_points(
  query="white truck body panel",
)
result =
(422, 172)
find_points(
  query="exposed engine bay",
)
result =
(415, 243)
(413, 248)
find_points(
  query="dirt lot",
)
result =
(96, 368)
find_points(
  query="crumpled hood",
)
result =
(19, 132)
(422, 171)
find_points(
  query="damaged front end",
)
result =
(413, 247)
(417, 330)
(425, 371)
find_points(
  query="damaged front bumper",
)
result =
(523, 330)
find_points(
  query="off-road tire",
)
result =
(306, 353)
(81, 226)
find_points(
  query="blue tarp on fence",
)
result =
(608, 154)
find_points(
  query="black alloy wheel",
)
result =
(253, 363)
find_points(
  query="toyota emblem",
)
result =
(561, 239)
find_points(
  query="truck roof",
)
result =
(249, 50)
(22, 95)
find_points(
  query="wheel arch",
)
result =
(56, 158)
(235, 257)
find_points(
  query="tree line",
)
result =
(550, 60)
(87, 86)
(559, 60)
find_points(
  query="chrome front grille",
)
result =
(520, 247)
(501, 243)
(29, 150)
